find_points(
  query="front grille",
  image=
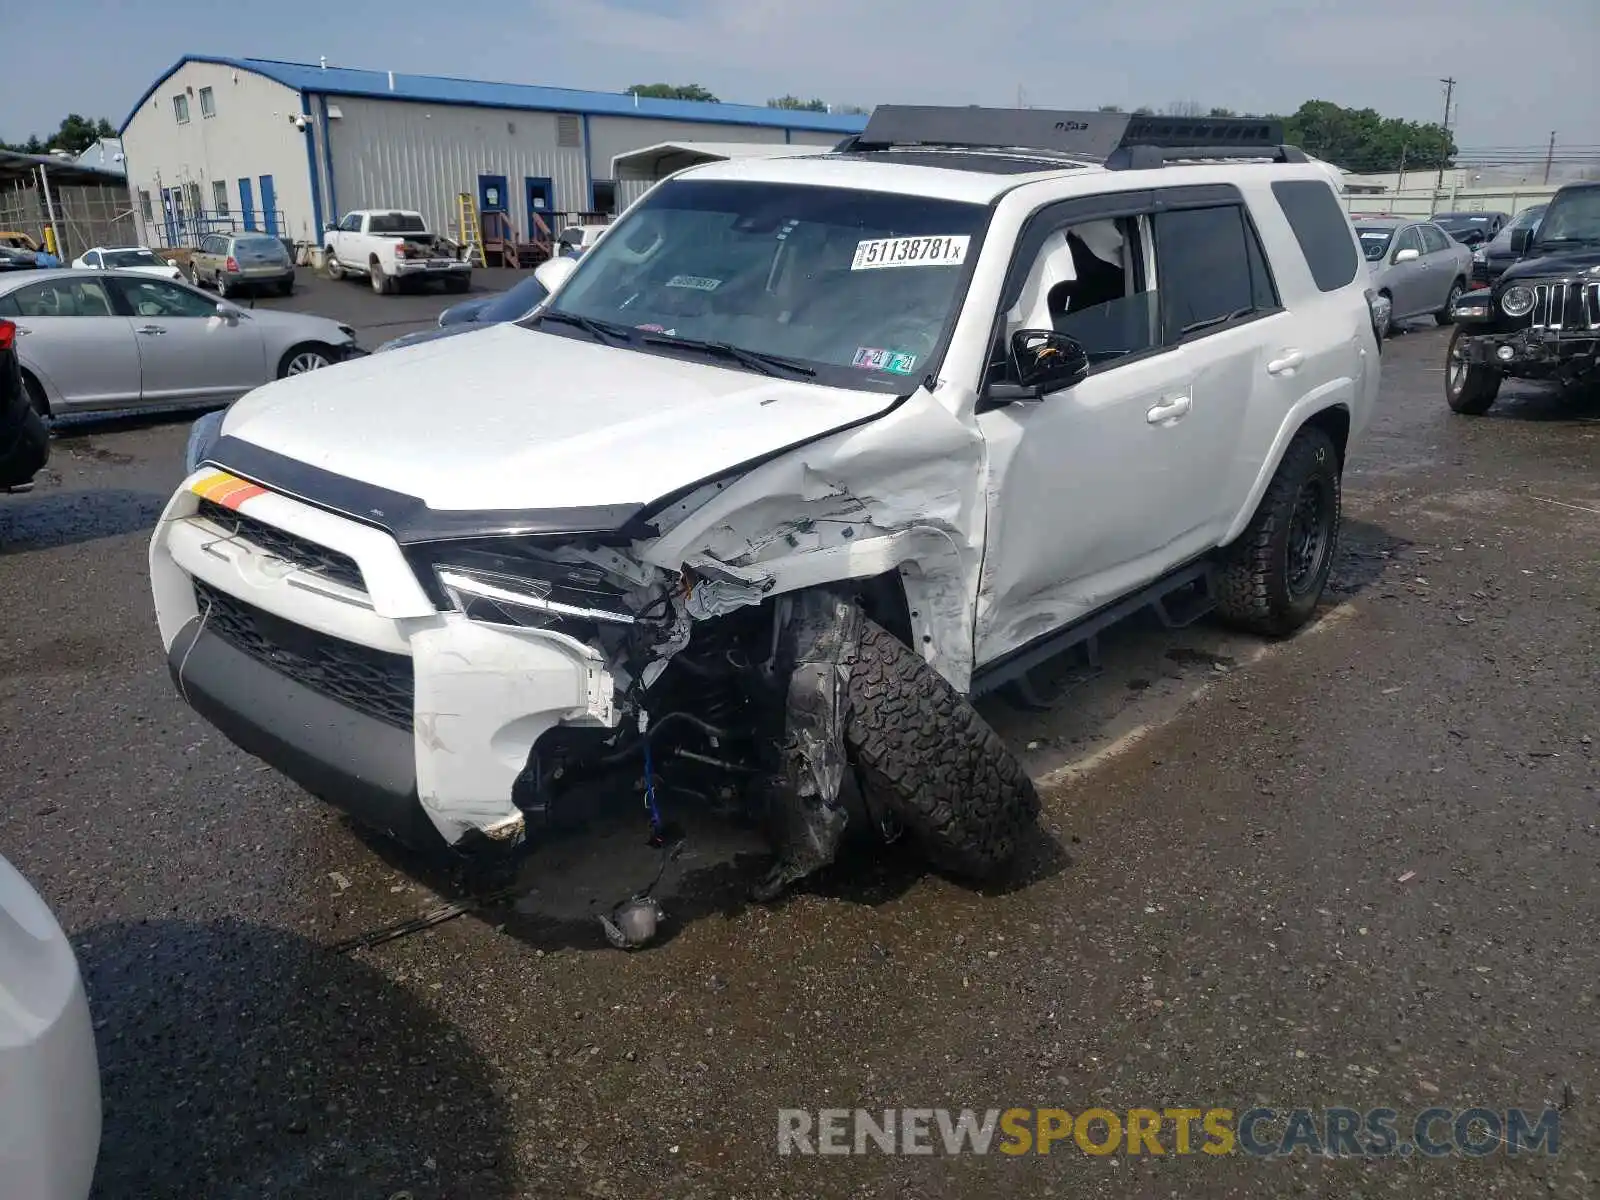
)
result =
(281, 544)
(1566, 306)
(373, 682)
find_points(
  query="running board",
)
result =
(1174, 611)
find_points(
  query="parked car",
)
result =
(1471, 228)
(575, 240)
(14, 259)
(1493, 257)
(20, 241)
(50, 1108)
(801, 456)
(1541, 317)
(390, 246)
(109, 339)
(24, 436)
(1414, 265)
(510, 305)
(236, 262)
(140, 259)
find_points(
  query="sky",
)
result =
(1247, 55)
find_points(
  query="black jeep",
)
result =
(1541, 318)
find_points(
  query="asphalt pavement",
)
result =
(1358, 867)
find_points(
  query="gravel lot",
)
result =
(1355, 868)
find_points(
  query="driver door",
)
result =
(187, 351)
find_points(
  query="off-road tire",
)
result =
(1472, 389)
(921, 752)
(1443, 317)
(1253, 590)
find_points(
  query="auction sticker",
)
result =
(884, 360)
(911, 252)
(698, 283)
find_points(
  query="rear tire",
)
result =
(1443, 316)
(923, 753)
(381, 283)
(1469, 388)
(194, 275)
(286, 288)
(458, 283)
(223, 290)
(1270, 580)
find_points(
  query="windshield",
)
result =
(514, 302)
(131, 258)
(859, 287)
(1462, 220)
(1574, 217)
(396, 223)
(1375, 240)
(1527, 218)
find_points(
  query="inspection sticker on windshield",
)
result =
(698, 282)
(911, 252)
(1371, 236)
(884, 360)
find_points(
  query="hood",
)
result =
(517, 419)
(162, 272)
(1554, 263)
(298, 325)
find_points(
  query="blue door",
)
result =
(247, 203)
(541, 203)
(492, 193)
(269, 205)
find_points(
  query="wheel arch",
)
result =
(37, 392)
(1331, 414)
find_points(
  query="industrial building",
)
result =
(285, 147)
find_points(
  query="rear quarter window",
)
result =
(1321, 228)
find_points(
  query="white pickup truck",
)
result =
(388, 246)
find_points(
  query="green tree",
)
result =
(673, 91)
(798, 104)
(75, 134)
(1365, 141)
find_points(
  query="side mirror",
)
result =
(553, 272)
(328, 227)
(1043, 361)
(229, 312)
(1521, 241)
(1401, 256)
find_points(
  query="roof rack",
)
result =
(1119, 141)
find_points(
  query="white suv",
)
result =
(806, 452)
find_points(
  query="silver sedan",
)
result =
(94, 340)
(1420, 269)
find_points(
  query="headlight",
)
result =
(348, 332)
(203, 435)
(500, 599)
(1517, 301)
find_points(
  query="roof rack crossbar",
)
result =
(1122, 141)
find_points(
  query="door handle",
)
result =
(1170, 409)
(1291, 360)
(153, 330)
(23, 330)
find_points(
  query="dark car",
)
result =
(13, 259)
(24, 436)
(1494, 256)
(1541, 319)
(1471, 228)
(509, 305)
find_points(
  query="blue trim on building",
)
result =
(588, 166)
(327, 164)
(311, 166)
(437, 89)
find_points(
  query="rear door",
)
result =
(70, 335)
(1439, 252)
(187, 351)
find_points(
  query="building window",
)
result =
(569, 131)
(180, 108)
(208, 103)
(219, 194)
(605, 196)
(144, 207)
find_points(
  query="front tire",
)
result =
(923, 753)
(1443, 316)
(1469, 388)
(335, 271)
(312, 356)
(1271, 579)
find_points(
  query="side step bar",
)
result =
(1178, 600)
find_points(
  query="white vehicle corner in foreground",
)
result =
(802, 456)
(49, 1072)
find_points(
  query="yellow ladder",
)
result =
(471, 234)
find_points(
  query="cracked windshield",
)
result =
(857, 288)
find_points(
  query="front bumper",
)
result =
(1534, 353)
(305, 638)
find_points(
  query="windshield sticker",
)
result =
(697, 282)
(884, 360)
(910, 252)
(1374, 237)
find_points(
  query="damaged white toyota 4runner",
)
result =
(804, 453)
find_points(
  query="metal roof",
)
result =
(61, 171)
(441, 89)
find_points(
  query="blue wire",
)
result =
(650, 789)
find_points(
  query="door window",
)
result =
(64, 298)
(351, 223)
(92, 258)
(157, 298)
(1433, 239)
(1409, 239)
(1211, 271)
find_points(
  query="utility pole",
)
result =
(1400, 184)
(1449, 93)
(1549, 156)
